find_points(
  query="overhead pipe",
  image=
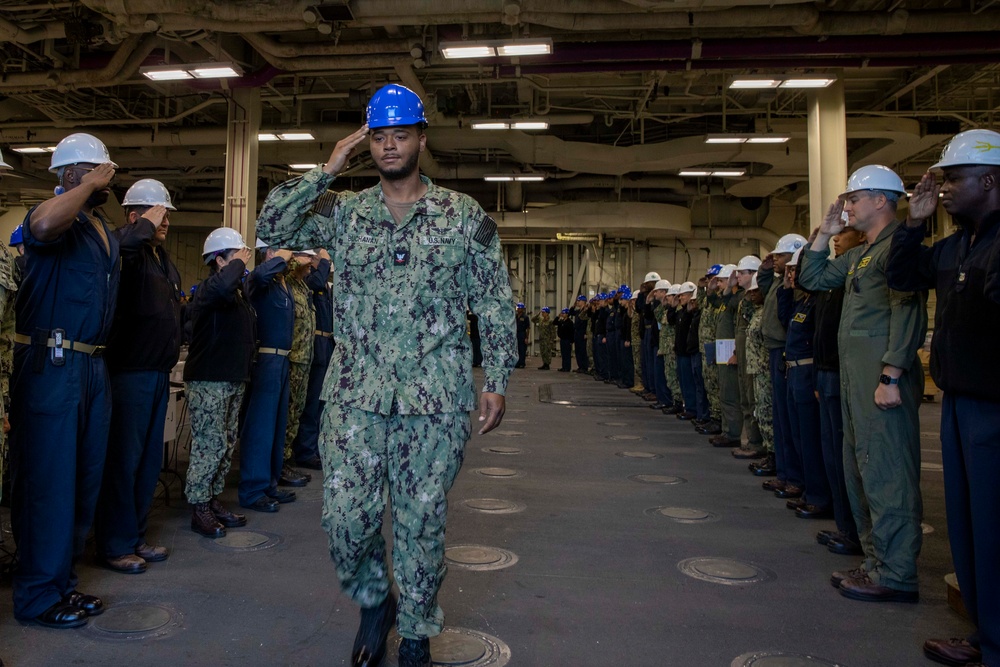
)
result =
(122, 65)
(305, 49)
(324, 63)
(11, 32)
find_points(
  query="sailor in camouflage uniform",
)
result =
(410, 258)
(757, 367)
(546, 336)
(9, 279)
(302, 284)
(708, 304)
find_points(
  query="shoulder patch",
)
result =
(485, 232)
(324, 205)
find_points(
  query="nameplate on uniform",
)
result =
(365, 238)
(486, 231)
(440, 240)
(400, 257)
(865, 261)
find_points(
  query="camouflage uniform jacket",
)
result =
(9, 279)
(304, 329)
(709, 318)
(757, 353)
(546, 328)
(667, 332)
(401, 293)
(636, 332)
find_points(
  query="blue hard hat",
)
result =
(520, 305)
(714, 270)
(17, 236)
(394, 105)
(564, 311)
(546, 309)
(623, 287)
(581, 298)
(194, 288)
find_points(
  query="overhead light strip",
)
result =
(719, 173)
(763, 83)
(507, 178)
(287, 135)
(747, 138)
(511, 124)
(179, 72)
(495, 48)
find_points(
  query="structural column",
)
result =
(827, 149)
(240, 208)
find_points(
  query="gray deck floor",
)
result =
(596, 582)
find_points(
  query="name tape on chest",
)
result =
(486, 231)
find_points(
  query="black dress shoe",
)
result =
(824, 536)
(657, 406)
(808, 511)
(795, 504)
(686, 416)
(712, 429)
(281, 496)
(369, 643)
(864, 589)
(262, 504)
(954, 651)
(415, 653)
(313, 463)
(790, 491)
(844, 546)
(62, 615)
(766, 467)
(91, 605)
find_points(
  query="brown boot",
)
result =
(204, 522)
(225, 517)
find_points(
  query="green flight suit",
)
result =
(399, 386)
(878, 327)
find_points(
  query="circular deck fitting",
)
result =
(502, 450)
(936, 467)
(497, 472)
(657, 479)
(132, 621)
(459, 647)
(242, 541)
(479, 558)
(926, 528)
(493, 506)
(780, 659)
(684, 514)
(624, 436)
(509, 434)
(726, 571)
(619, 424)
(638, 455)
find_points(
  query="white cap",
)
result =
(310, 253)
(726, 271)
(971, 147)
(223, 238)
(148, 192)
(652, 276)
(634, 296)
(259, 245)
(77, 148)
(662, 284)
(794, 261)
(753, 282)
(3, 164)
(687, 287)
(748, 263)
(789, 243)
(674, 290)
(875, 177)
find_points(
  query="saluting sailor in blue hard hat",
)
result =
(411, 258)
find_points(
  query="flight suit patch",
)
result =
(799, 318)
(865, 261)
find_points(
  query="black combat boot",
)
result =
(204, 522)
(415, 653)
(369, 644)
(225, 517)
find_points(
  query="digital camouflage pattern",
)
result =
(636, 337)
(666, 350)
(402, 292)
(710, 372)
(300, 358)
(420, 455)
(748, 398)
(758, 369)
(215, 411)
(546, 328)
(9, 279)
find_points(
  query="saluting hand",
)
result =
(284, 254)
(156, 215)
(924, 201)
(243, 254)
(767, 264)
(344, 149)
(99, 177)
(833, 223)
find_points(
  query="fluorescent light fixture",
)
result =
(304, 166)
(507, 178)
(730, 173)
(494, 48)
(34, 150)
(529, 125)
(817, 82)
(300, 135)
(694, 172)
(739, 84)
(267, 136)
(490, 125)
(497, 178)
(768, 139)
(725, 139)
(533, 48)
(168, 74)
(216, 72)
(530, 178)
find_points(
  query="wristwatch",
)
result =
(885, 379)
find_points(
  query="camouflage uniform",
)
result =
(706, 335)
(666, 350)
(9, 278)
(300, 358)
(758, 368)
(400, 383)
(637, 352)
(546, 337)
(215, 410)
(748, 398)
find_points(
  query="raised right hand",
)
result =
(284, 254)
(99, 177)
(344, 149)
(156, 215)
(833, 223)
(243, 254)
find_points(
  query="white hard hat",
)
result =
(662, 284)
(789, 243)
(651, 276)
(687, 287)
(77, 148)
(259, 245)
(311, 253)
(148, 192)
(3, 164)
(971, 147)
(634, 296)
(748, 263)
(874, 177)
(753, 282)
(674, 290)
(726, 271)
(223, 238)
(794, 261)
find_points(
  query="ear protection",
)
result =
(59, 190)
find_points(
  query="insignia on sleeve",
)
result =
(486, 231)
(324, 205)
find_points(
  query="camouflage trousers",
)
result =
(711, 374)
(546, 348)
(764, 408)
(298, 382)
(670, 369)
(215, 411)
(3, 459)
(637, 362)
(418, 457)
